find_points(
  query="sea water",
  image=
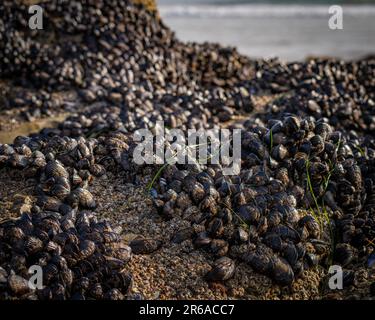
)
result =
(291, 31)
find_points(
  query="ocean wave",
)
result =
(257, 10)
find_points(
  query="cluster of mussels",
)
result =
(80, 256)
(300, 182)
(305, 194)
(123, 59)
(341, 91)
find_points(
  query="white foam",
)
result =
(260, 10)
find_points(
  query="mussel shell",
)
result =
(87, 248)
(202, 239)
(219, 247)
(33, 245)
(113, 294)
(223, 269)
(123, 253)
(54, 168)
(96, 291)
(145, 246)
(216, 227)
(18, 285)
(290, 253)
(343, 254)
(83, 198)
(281, 271)
(60, 191)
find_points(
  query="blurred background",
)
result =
(291, 30)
